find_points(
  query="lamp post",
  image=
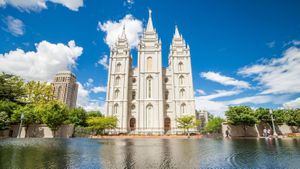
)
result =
(20, 127)
(273, 126)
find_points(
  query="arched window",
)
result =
(181, 80)
(182, 92)
(58, 91)
(149, 86)
(167, 95)
(133, 95)
(149, 64)
(117, 92)
(148, 115)
(118, 68)
(180, 66)
(115, 110)
(182, 108)
(132, 124)
(117, 81)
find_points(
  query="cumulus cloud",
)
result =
(201, 92)
(84, 100)
(104, 61)
(113, 30)
(43, 63)
(294, 104)
(14, 26)
(99, 89)
(278, 75)
(224, 80)
(37, 5)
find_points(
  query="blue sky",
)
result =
(243, 52)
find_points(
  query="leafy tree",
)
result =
(241, 115)
(37, 92)
(77, 116)
(279, 116)
(94, 114)
(30, 116)
(11, 88)
(214, 125)
(55, 113)
(292, 117)
(4, 120)
(8, 107)
(263, 115)
(187, 122)
(99, 124)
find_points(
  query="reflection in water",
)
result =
(149, 153)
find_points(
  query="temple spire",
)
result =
(176, 35)
(123, 35)
(150, 24)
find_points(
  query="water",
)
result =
(149, 153)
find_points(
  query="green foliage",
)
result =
(8, 107)
(4, 120)
(241, 115)
(99, 124)
(187, 122)
(38, 92)
(263, 115)
(77, 116)
(214, 125)
(279, 116)
(54, 114)
(30, 115)
(11, 88)
(94, 114)
(292, 117)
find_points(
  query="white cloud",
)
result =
(84, 100)
(113, 30)
(14, 26)
(43, 63)
(104, 61)
(37, 5)
(221, 93)
(224, 80)
(99, 89)
(89, 83)
(271, 44)
(201, 92)
(278, 75)
(292, 104)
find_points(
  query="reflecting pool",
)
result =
(149, 153)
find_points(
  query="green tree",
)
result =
(94, 114)
(11, 88)
(37, 92)
(8, 107)
(186, 123)
(263, 115)
(214, 125)
(279, 116)
(99, 124)
(54, 114)
(241, 115)
(4, 120)
(30, 116)
(292, 117)
(77, 116)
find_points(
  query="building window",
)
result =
(167, 95)
(133, 80)
(148, 115)
(133, 95)
(181, 80)
(132, 106)
(115, 110)
(117, 92)
(118, 69)
(117, 81)
(180, 66)
(167, 106)
(149, 87)
(182, 108)
(182, 92)
(149, 63)
(166, 80)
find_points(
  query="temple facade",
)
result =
(148, 98)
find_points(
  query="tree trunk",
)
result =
(245, 132)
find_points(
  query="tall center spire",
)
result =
(150, 24)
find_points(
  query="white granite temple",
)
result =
(148, 98)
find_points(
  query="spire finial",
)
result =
(176, 35)
(123, 35)
(150, 24)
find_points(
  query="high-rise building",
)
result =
(148, 98)
(65, 88)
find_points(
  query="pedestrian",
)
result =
(265, 132)
(269, 132)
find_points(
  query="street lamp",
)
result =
(20, 127)
(273, 126)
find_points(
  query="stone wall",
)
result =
(42, 131)
(256, 130)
